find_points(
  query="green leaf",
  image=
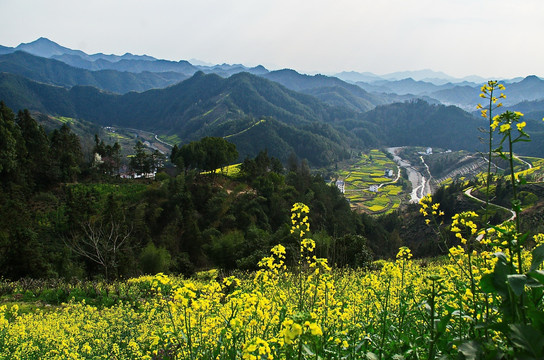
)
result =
(442, 324)
(538, 257)
(496, 281)
(527, 339)
(487, 283)
(538, 275)
(307, 350)
(516, 205)
(523, 238)
(471, 350)
(517, 283)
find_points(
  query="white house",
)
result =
(341, 185)
(374, 188)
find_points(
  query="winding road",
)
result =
(468, 192)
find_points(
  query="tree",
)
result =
(156, 160)
(208, 154)
(102, 239)
(218, 153)
(38, 163)
(12, 146)
(107, 158)
(139, 163)
(66, 153)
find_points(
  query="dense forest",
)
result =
(64, 213)
(64, 216)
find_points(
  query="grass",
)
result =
(65, 120)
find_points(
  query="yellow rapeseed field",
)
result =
(401, 309)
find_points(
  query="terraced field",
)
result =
(367, 186)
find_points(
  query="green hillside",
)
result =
(55, 72)
(204, 105)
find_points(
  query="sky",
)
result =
(488, 38)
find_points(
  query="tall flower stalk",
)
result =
(488, 91)
(511, 128)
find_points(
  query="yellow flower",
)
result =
(495, 123)
(521, 125)
(504, 128)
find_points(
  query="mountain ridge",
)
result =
(203, 105)
(55, 72)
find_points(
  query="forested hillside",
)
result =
(204, 105)
(58, 210)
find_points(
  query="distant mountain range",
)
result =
(143, 72)
(317, 117)
(434, 77)
(128, 62)
(55, 72)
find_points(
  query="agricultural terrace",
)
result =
(532, 169)
(368, 188)
(170, 139)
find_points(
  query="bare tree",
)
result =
(101, 242)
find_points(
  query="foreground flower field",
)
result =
(404, 309)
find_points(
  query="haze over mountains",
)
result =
(318, 117)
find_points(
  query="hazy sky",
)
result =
(490, 38)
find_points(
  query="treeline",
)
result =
(64, 216)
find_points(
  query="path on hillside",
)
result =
(392, 181)
(529, 165)
(162, 141)
(245, 130)
(468, 192)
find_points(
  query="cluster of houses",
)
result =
(126, 173)
(341, 185)
(429, 151)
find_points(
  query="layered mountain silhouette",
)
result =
(56, 72)
(320, 118)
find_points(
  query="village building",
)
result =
(341, 185)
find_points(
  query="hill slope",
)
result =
(204, 105)
(55, 72)
(328, 89)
